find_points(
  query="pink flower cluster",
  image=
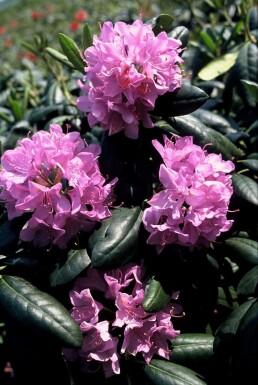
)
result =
(145, 333)
(192, 207)
(128, 67)
(55, 177)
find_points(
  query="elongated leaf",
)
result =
(246, 68)
(30, 47)
(16, 108)
(252, 164)
(244, 357)
(71, 50)
(214, 120)
(116, 242)
(77, 261)
(249, 283)
(155, 297)
(209, 42)
(252, 88)
(59, 57)
(218, 66)
(166, 373)
(246, 188)
(192, 347)
(87, 39)
(182, 101)
(162, 23)
(225, 336)
(247, 249)
(218, 143)
(38, 311)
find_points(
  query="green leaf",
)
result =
(246, 188)
(252, 164)
(225, 335)
(190, 348)
(182, 101)
(59, 57)
(208, 41)
(72, 51)
(76, 262)
(30, 47)
(166, 373)
(116, 242)
(203, 135)
(155, 297)
(162, 23)
(243, 248)
(38, 311)
(87, 39)
(245, 353)
(249, 283)
(246, 68)
(16, 108)
(218, 66)
(252, 88)
(42, 113)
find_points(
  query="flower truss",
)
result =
(191, 208)
(140, 332)
(55, 177)
(128, 67)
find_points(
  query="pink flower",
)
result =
(191, 209)
(128, 68)
(55, 177)
(139, 331)
(85, 307)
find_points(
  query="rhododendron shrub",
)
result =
(191, 208)
(146, 333)
(55, 177)
(127, 68)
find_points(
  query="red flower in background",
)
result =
(14, 23)
(8, 43)
(35, 15)
(28, 55)
(3, 30)
(74, 26)
(81, 15)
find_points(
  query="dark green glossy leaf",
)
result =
(42, 113)
(72, 51)
(166, 373)
(246, 188)
(252, 164)
(59, 57)
(162, 23)
(253, 18)
(38, 311)
(249, 283)
(225, 336)
(246, 68)
(214, 120)
(192, 347)
(87, 39)
(76, 262)
(243, 248)
(180, 33)
(203, 135)
(155, 297)
(116, 242)
(182, 101)
(245, 353)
